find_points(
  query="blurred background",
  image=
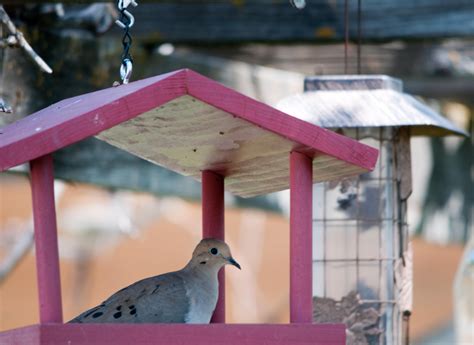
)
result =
(122, 219)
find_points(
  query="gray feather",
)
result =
(156, 299)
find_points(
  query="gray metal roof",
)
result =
(364, 101)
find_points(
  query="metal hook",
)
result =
(126, 70)
(131, 20)
(123, 4)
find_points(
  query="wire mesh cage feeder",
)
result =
(361, 253)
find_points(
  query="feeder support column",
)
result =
(213, 226)
(301, 258)
(46, 240)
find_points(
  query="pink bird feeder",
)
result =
(197, 127)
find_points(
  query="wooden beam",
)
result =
(213, 227)
(301, 243)
(46, 240)
(161, 334)
(283, 66)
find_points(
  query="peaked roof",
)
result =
(365, 101)
(189, 123)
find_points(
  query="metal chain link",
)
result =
(126, 21)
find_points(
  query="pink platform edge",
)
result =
(176, 334)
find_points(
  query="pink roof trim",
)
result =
(77, 118)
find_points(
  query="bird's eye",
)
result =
(214, 251)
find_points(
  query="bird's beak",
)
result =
(233, 262)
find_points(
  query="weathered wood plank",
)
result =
(433, 70)
(277, 20)
(316, 138)
(319, 20)
(156, 334)
(252, 159)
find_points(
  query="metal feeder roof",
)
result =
(188, 123)
(364, 101)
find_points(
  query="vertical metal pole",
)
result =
(359, 36)
(46, 240)
(213, 226)
(301, 231)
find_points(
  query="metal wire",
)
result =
(325, 240)
(355, 260)
(359, 35)
(347, 38)
(346, 35)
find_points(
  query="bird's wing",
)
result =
(157, 299)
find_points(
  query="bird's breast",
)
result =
(202, 296)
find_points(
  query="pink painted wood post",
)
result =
(46, 240)
(213, 226)
(301, 258)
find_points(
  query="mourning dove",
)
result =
(185, 296)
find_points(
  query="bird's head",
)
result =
(212, 252)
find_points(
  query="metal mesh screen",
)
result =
(360, 244)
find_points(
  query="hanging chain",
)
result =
(126, 21)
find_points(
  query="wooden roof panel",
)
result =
(188, 123)
(80, 117)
